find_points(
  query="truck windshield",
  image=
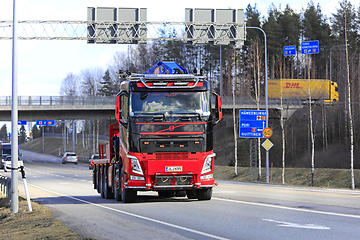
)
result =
(6, 151)
(170, 103)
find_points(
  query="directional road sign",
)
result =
(310, 47)
(252, 123)
(22, 122)
(289, 50)
(45, 122)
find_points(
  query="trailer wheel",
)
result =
(107, 190)
(204, 194)
(95, 178)
(101, 183)
(117, 189)
(127, 195)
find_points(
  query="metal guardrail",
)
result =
(5, 186)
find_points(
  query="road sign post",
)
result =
(44, 123)
(267, 144)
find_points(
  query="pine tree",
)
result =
(22, 134)
(3, 133)
(36, 131)
(107, 87)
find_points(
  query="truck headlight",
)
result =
(135, 165)
(207, 167)
(205, 177)
(136, 178)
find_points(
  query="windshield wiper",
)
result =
(187, 115)
(154, 115)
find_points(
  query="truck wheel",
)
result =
(117, 189)
(107, 190)
(101, 184)
(191, 194)
(127, 195)
(204, 194)
(95, 178)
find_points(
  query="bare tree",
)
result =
(70, 85)
(350, 112)
(91, 78)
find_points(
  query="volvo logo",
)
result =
(171, 128)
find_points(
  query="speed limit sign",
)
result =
(267, 132)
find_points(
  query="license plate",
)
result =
(173, 169)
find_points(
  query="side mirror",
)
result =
(218, 108)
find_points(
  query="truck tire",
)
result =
(95, 178)
(191, 194)
(204, 194)
(117, 188)
(107, 190)
(101, 183)
(127, 195)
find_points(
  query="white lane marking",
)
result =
(135, 215)
(289, 208)
(297, 225)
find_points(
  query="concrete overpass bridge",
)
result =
(32, 108)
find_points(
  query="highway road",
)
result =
(237, 210)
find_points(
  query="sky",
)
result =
(42, 64)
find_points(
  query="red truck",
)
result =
(162, 139)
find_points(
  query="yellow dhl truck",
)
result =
(320, 89)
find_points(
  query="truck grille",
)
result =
(168, 180)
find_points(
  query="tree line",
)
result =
(245, 66)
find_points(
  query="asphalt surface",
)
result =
(237, 210)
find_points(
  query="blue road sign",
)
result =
(289, 50)
(22, 122)
(252, 123)
(310, 47)
(45, 122)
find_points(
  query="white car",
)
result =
(7, 163)
(69, 157)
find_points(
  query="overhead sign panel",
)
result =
(117, 25)
(206, 26)
(252, 123)
(289, 50)
(310, 47)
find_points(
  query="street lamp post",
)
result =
(266, 99)
(14, 118)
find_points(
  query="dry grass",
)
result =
(26, 225)
(331, 178)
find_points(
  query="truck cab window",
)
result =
(124, 107)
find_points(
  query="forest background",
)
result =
(245, 65)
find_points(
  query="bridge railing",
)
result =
(66, 101)
(57, 100)
(227, 100)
